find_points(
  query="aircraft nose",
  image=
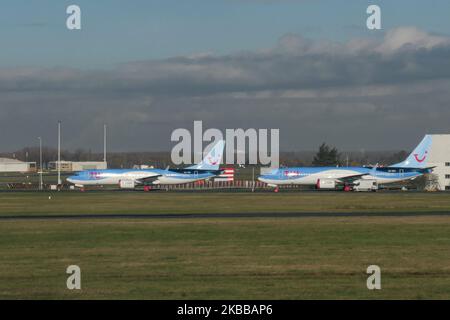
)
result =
(70, 179)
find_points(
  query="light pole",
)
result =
(104, 143)
(40, 164)
(253, 179)
(59, 153)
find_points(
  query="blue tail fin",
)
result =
(213, 159)
(419, 157)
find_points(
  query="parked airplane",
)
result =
(354, 178)
(129, 178)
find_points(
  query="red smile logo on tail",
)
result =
(416, 156)
(213, 161)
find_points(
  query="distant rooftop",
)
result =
(8, 160)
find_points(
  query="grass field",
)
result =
(286, 258)
(29, 203)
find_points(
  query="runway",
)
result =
(224, 215)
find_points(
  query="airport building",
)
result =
(70, 166)
(14, 165)
(440, 159)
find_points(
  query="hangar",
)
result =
(14, 165)
(70, 166)
(440, 159)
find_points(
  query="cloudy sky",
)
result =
(310, 68)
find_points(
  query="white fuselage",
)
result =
(310, 176)
(137, 176)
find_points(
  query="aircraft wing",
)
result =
(148, 180)
(193, 171)
(352, 178)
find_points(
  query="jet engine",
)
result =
(127, 184)
(326, 184)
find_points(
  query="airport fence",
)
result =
(236, 184)
(199, 185)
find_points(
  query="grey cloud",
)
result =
(404, 55)
(362, 93)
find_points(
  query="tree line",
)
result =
(326, 155)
